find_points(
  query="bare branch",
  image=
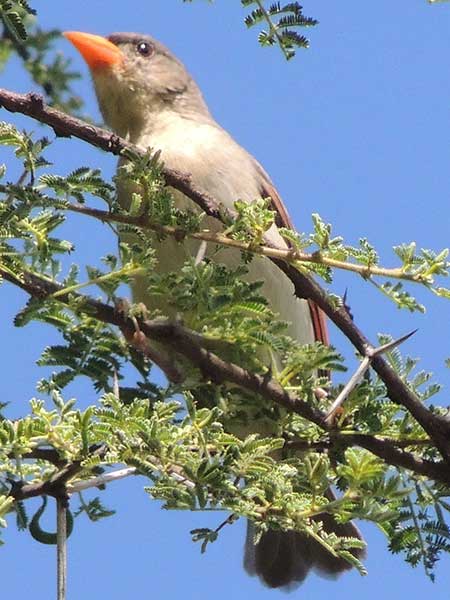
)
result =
(103, 479)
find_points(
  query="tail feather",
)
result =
(283, 559)
(276, 558)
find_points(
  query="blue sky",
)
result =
(357, 129)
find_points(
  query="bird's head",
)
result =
(138, 81)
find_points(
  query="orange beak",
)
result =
(97, 51)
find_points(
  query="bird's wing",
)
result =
(283, 219)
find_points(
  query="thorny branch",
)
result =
(436, 426)
(359, 373)
(290, 256)
(189, 344)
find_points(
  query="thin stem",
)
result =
(95, 281)
(228, 521)
(173, 470)
(61, 547)
(273, 29)
(79, 486)
(419, 532)
(290, 256)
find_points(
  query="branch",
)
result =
(178, 338)
(64, 125)
(436, 426)
(387, 449)
(60, 488)
(48, 454)
(290, 256)
(188, 344)
(101, 480)
(55, 486)
(391, 454)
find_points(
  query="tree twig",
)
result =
(290, 256)
(103, 479)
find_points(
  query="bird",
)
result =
(146, 95)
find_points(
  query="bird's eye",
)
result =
(144, 48)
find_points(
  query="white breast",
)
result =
(226, 171)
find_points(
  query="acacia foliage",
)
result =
(183, 434)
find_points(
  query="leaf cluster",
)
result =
(422, 268)
(12, 13)
(47, 68)
(283, 21)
